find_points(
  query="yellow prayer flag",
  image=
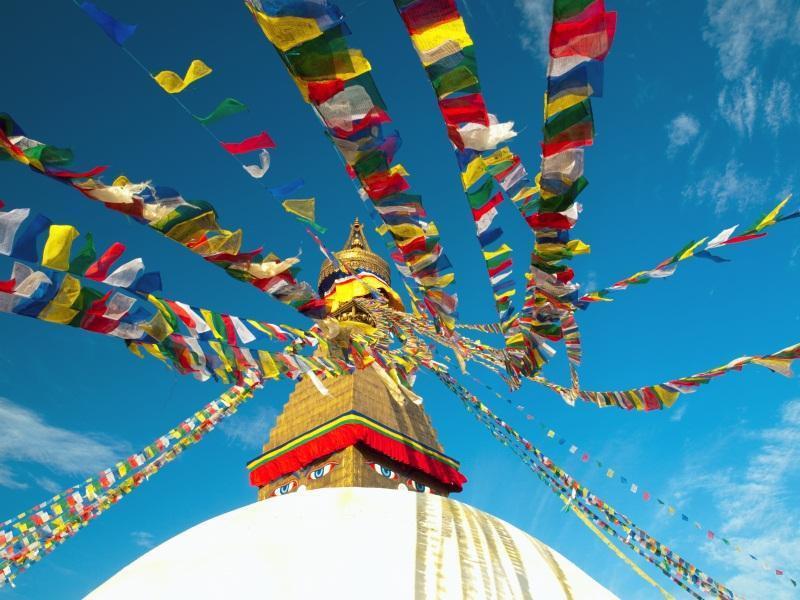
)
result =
(578, 247)
(769, 218)
(475, 169)
(489, 254)
(192, 229)
(438, 282)
(56, 249)
(556, 105)
(286, 32)
(268, 365)
(158, 328)
(172, 83)
(398, 170)
(227, 242)
(58, 309)
(690, 250)
(301, 207)
(406, 230)
(498, 156)
(453, 32)
(525, 192)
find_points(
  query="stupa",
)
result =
(353, 489)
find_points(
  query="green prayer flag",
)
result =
(226, 108)
(565, 9)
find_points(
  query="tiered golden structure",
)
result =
(308, 413)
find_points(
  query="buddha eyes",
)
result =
(383, 471)
(287, 487)
(418, 487)
(320, 472)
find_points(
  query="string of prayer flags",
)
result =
(667, 267)
(303, 209)
(261, 141)
(172, 83)
(336, 80)
(578, 496)
(228, 107)
(627, 483)
(476, 135)
(31, 535)
(193, 224)
(118, 31)
(20, 235)
(664, 395)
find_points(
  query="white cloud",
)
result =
(143, 539)
(537, 17)
(756, 504)
(738, 102)
(677, 414)
(26, 437)
(681, 131)
(250, 432)
(740, 30)
(778, 105)
(795, 258)
(731, 186)
(48, 485)
(743, 32)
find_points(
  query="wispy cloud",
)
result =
(25, 437)
(48, 485)
(729, 188)
(743, 32)
(756, 504)
(677, 414)
(250, 432)
(143, 539)
(537, 16)
(681, 131)
(795, 258)
(778, 105)
(738, 102)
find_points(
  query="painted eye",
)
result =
(418, 487)
(383, 471)
(321, 471)
(287, 487)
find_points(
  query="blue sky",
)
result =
(696, 132)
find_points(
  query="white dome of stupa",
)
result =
(354, 543)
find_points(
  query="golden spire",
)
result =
(358, 256)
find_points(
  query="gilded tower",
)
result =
(358, 434)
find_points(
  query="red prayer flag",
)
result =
(8, 286)
(743, 238)
(380, 185)
(321, 91)
(549, 220)
(465, 109)
(94, 172)
(423, 15)
(99, 270)
(262, 141)
(590, 37)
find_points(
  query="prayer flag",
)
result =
(172, 83)
(261, 141)
(118, 31)
(226, 108)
